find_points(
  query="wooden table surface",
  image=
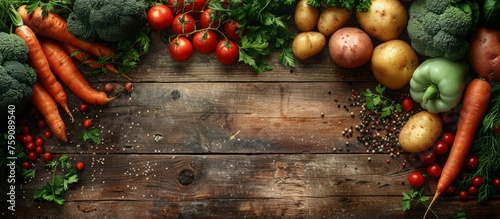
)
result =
(198, 139)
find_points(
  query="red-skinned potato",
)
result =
(331, 19)
(350, 47)
(484, 53)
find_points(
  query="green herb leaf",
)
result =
(92, 134)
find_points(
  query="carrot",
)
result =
(55, 27)
(474, 106)
(46, 105)
(85, 58)
(62, 65)
(38, 60)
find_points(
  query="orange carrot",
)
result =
(55, 27)
(62, 65)
(85, 58)
(46, 105)
(38, 61)
(474, 106)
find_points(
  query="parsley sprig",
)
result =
(419, 198)
(92, 134)
(54, 190)
(378, 102)
(359, 5)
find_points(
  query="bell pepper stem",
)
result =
(430, 93)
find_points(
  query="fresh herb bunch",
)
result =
(359, 5)
(419, 198)
(377, 101)
(266, 30)
(54, 190)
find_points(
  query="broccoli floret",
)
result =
(438, 28)
(109, 20)
(16, 76)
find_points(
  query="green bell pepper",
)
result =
(438, 83)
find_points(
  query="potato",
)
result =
(331, 19)
(393, 63)
(350, 47)
(306, 17)
(385, 20)
(420, 131)
(484, 53)
(307, 44)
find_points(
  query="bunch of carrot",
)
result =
(50, 48)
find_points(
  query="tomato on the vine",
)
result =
(232, 29)
(427, 157)
(205, 41)
(175, 5)
(160, 17)
(195, 5)
(207, 19)
(226, 51)
(183, 24)
(434, 170)
(180, 48)
(477, 181)
(440, 147)
(448, 137)
(471, 162)
(407, 104)
(416, 179)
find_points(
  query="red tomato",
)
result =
(427, 157)
(450, 189)
(440, 147)
(180, 49)
(26, 130)
(26, 164)
(47, 134)
(160, 17)
(41, 123)
(83, 107)
(416, 179)
(175, 5)
(30, 146)
(183, 24)
(434, 170)
(27, 138)
(496, 182)
(48, 156)
(477, 181)
(39, 141)
(32, 156)
(207, 19)
(463, 195)
(87, 123)
(407, 104)
(205, 41)
(448, 137)
(232, 29)
(471, 162)
(39, 150)
(195, 5)
(226, 51)
(472, 190)
(80, 165)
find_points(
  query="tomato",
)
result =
(232, 29)
(496, 182)
(207, 19)
(26, 164)
(471, 162)
(48, 156)
(463, 195)
(195, 5)
(87, 123)
(477, 181)
(450, 189)
(226, 51)
(440, 147)
(183, 24)
(129, 86)
(80, 165)
(83, 107)
(448, 137)
(160, 17)
(416, 179)
(180, 49)
(39, 149)
(427, 157)
(47, 134)
(26, 130)
(175, 5)
(205, 41)
(109, 87)
(472, 190)
(496, 129)
(32, 156)
(22, 121)
(434, 170)
(407, 104)
(30, 146)
(41, 123)
(27, 138)
(39, 141)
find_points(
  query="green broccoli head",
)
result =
(81, 29)
(437, 28)
(12, 47)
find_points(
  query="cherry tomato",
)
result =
(427, 157)
(232, 29)
(80, 165)
(180, 49)
(471, 162)
(496, 129)
(441, 147)
(416, 179)
(19, 137)
(450, 189)
(26, 130)
(407, 104)
(204, 41)
(22, 121)
(87, 123)
(195, 5)
(83, 107)
(30, 146)
(226, 51)
(463, 195)
(448, 138)
(47, 134)
(160, 17)
(39, 141)
(477, 181)
(434, 170)
(183, 24)
(41, 123)
(26, 164)
(175, 5)
(32, 156)
(48, 156)
(207, 19)
(496, 182)
(39, 150)
(27, 138)
(472, 190)
(109, 87)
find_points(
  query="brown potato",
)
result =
(307, 44)
(385, 20)
(350, 47)
(420, 131)
(306, 17)
(393, 63)
(484, 53)
(331, 19)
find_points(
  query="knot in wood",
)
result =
(175, 94)
(186, 177)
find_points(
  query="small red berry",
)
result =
(80, 165)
